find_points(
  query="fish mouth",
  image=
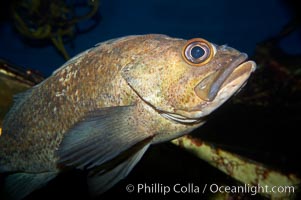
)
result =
(215, 89)
(208, 88)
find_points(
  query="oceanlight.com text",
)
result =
(191, 188)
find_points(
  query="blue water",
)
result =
(240, 24)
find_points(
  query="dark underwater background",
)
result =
(240, 24)
(261, 123)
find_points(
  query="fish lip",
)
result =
(243, 65)
(209, 87)
(234, 82)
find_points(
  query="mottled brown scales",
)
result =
(123, 93)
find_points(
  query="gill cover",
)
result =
(147, 82)
(152, 77)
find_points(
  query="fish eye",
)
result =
(198, 52)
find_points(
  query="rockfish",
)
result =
(102, 109)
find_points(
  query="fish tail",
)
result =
(17, 186)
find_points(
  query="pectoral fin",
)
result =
(104, 177)
(17, 186)
(107, 142)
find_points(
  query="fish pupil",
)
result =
(197, 52)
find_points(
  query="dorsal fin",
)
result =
(18, 101)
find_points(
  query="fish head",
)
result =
(186, 80)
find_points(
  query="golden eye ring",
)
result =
(198, 52)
